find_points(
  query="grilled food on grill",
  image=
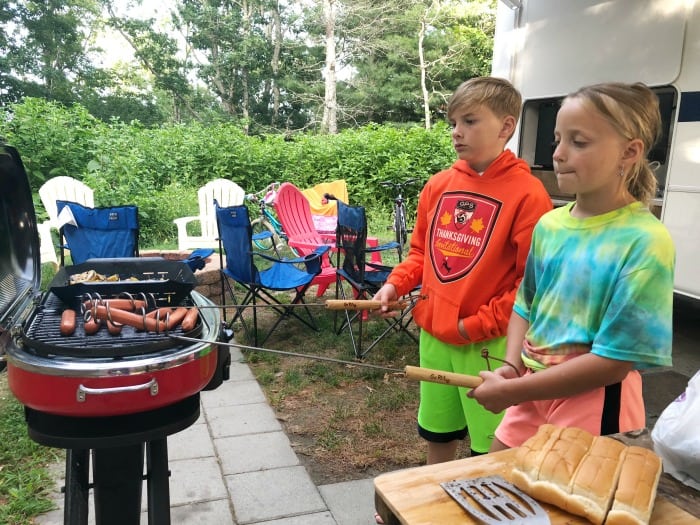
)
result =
(92, 276)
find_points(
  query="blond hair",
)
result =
(497, 94)
(633, 111)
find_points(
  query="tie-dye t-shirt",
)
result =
(602, 284)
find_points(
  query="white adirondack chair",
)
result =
(59, 188)
(227, 193)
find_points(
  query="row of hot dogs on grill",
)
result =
(115, 313)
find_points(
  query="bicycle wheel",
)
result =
(400, 226)
(266, 243)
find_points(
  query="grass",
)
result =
(25, 481)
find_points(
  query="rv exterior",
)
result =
(549, 48)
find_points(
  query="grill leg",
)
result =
(75, 511)
(118, 477)
(158, 488)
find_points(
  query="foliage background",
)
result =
(160, 169)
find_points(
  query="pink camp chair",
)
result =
(294, 212)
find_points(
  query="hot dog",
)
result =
(91, 326)
(122, 304)
(159, 313)
(176, 317)
(114, 329)
(190, 320)
(128, 318)
(68, 322)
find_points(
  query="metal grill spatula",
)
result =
(494, 501)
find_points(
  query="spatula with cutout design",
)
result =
(494, 501)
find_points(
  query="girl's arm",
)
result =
(579, 374)
(517, 328)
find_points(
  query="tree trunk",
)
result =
(277, 39)
(245, 96)
(423, 68)
(329, 123)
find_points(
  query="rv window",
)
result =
(544, 146)
(539, 118)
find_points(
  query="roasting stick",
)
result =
(329, 304)
(414, 373)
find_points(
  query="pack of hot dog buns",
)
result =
(596, 477)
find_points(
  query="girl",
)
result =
(596, 302)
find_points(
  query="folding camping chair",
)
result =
(60, 188)
(293, 275)
(364, 277)
(97, 233)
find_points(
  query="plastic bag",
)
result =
(676, 435)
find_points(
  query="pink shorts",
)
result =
(594, 411)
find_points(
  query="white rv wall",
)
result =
(549, 48)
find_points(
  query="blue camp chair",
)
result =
(97, 233)
(363, 276)
(293, 275)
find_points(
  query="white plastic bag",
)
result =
(676, 435)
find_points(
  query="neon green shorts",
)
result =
(445, 412)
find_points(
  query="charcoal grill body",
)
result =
(112, 402)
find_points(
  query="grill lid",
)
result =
(19, 240)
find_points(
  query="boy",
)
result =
(468, 250)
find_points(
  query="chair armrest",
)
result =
(182, 237)
(319, 252)
(328, 238)
(387, 246)
(184, 221)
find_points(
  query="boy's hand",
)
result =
(491, 393)
(386, 294)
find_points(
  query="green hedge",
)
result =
(160, 170)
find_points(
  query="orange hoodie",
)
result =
(469, 247)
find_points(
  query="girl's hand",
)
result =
(491, 393)
(506, 372)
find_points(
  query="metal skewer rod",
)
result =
(415, 373)
(329, 304)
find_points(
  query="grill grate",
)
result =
(43, 336)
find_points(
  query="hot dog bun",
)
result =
(530, 455)
(596, 477)
(636, 490)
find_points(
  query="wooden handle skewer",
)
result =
(438, 376)
(362, 304)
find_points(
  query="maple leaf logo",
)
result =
(477, 225)
(446, 218)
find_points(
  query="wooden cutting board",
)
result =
(415, 496)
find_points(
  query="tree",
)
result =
(426, 50)
(329, 123)
(157, 52)
(45, 45)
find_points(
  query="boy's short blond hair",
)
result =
(497, 94)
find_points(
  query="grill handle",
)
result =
(83, 391)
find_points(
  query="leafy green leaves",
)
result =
(160, 170)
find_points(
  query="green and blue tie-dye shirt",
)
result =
(602, 284)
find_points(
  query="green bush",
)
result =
(160, 169)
